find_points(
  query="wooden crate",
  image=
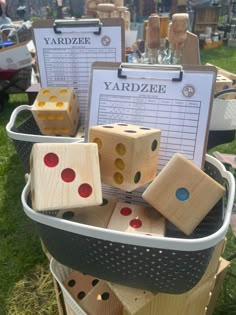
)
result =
(206, 17)
(141, 302)
(227, 74)
(213, 45)
(222, 83)
(220, 276)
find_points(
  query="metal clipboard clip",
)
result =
(165, 71)
(86, 23)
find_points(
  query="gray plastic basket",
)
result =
(172, 264)
(27, 133)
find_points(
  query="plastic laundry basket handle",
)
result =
(33, 138)
(170, 243)
(225, 92)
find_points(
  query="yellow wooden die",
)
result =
(56, 111)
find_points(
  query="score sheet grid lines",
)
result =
(71, 67)
(66, 58)
(177, 119)
(149, 97)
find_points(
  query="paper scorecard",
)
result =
(181, 109)
(65, 55)
(176, 100)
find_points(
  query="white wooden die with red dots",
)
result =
(136, 219)
(56, 111)
(65, 175)
(128, 154)
(93, 295)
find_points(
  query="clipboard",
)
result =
(176, 99)
(66, 49)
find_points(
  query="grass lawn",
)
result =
(20, 250)
(25, 283)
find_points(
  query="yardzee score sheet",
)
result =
(65, 58)
(148, 96)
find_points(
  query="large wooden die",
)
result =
(65, 175)
(136, 219)
(128, 154)
(92, 294)
(56, 111)
(183, 193)
(79, 285)
(222, 83)
(94, 215)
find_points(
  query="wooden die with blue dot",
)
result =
(128, 154)
(183, 193)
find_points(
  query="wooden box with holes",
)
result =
(88, 295)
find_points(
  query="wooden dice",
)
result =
(92, 294)
(94, 215)
(79, 285)
(222, 83)
(136, 219)
(128, 154)
(56, 111)
(65, 175)
(183, 193)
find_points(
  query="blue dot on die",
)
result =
(182, 194)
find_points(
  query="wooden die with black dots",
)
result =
(128, 154)
(92, 294)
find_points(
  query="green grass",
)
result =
(20, 249)
(223, 57)
(21, 256)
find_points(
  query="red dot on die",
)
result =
(68, 175)
(125, 211)
(51, 159)
(135, 223)
(85, 190)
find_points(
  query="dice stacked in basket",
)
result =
(103, 209)
(124, 156)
